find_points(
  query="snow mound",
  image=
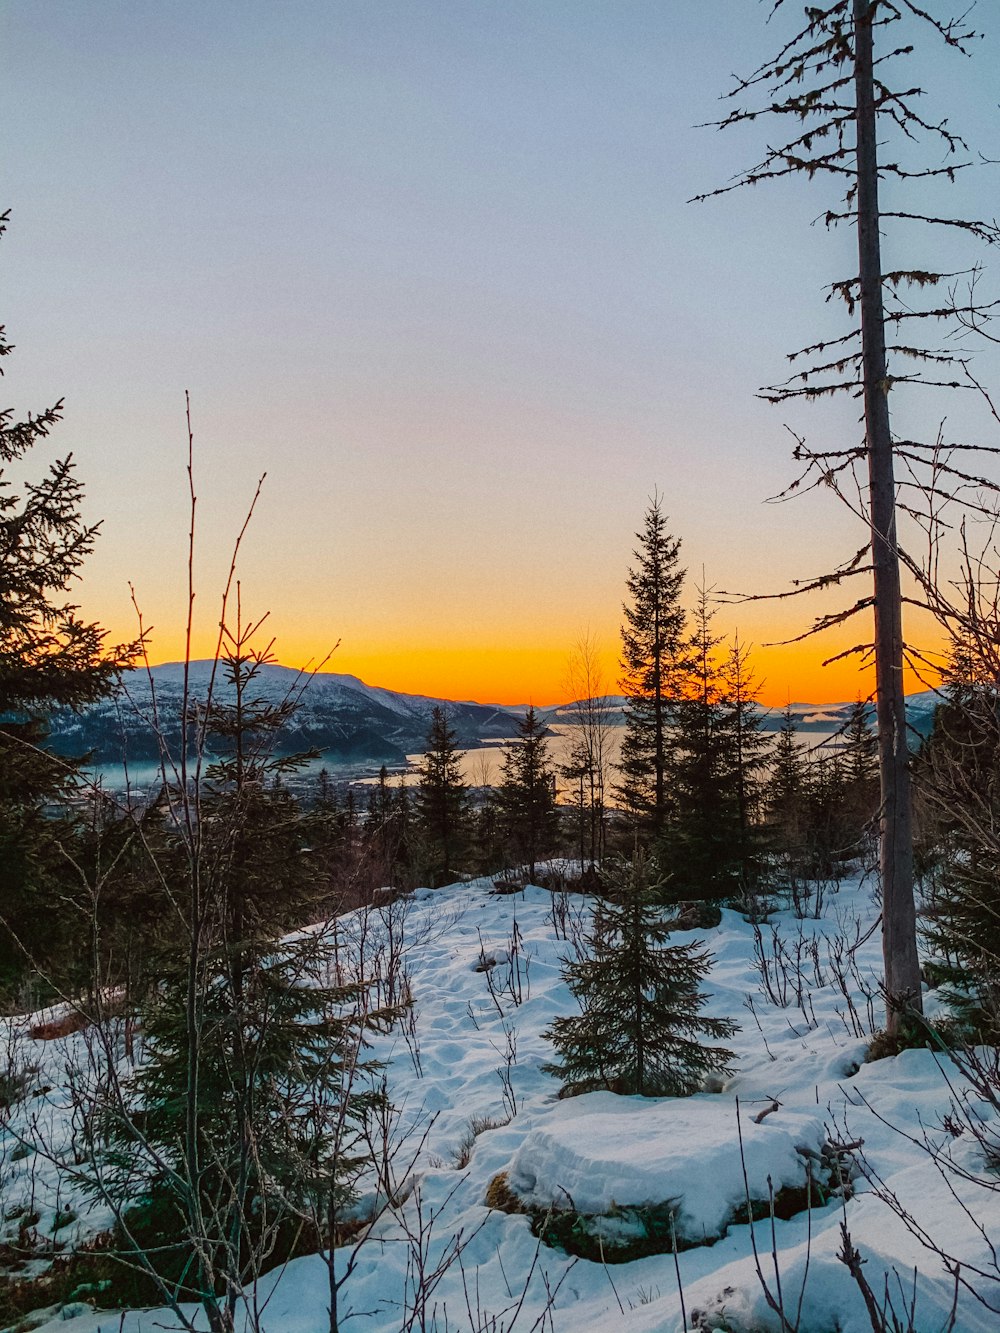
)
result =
(602, 1151)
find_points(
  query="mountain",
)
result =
(349, 721)
(831, 717)
(825, 718)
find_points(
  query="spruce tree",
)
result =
(592, 713)
(49, 658)
(278, 1065)
(841, 798)
(641, 1029)
(750, 757)
(701, 843)
(577, 771)
(787, 777)
(957, 775)
(527, 793)
(383, 833)
(653, 663)
(785, 809)
(492, 848)
(861, 777)
(441, 804)
(216, 1153)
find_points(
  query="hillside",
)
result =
(477, 1118)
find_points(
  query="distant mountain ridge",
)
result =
(806, 717)
(830, 717)
(348, 721)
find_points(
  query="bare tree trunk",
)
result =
(899, 942)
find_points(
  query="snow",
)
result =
(477, 1054)
(602, 1150)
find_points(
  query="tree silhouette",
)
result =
(652, 666)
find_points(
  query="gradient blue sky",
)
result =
(431, 265)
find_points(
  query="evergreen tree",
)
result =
(701, 843)
(750, 757)
(492, 849)
(861, 777)
(257, 874)
(331, 843)
(383, 832)
(786, 802)
(441, 803)
(49, 658)
(841, 799)
(278, 1063)
(403, 815)
(653, 664)
(832, 842)
(787, 777)
(957, 777)
(527, 793)
(589, 766)
(641, 1029)
(577, 772)
(245, 1040)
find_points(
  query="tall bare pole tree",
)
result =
(830, 79)
(899, 929)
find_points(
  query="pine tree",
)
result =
(700, 845)
(641, 1030)
(216, 1151)
(278, 1066)
(831, 843)
(492, 848)
(786, 803)
(49, 658)
(750, 751)
(589, 766)
(383, 832)
(859, 754)
(653, 665)
(441, 803)
(787, 778)
(577, 771)
(527, 793)
(957, 775)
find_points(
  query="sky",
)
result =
(432, 267)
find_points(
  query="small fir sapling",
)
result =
(641, 1029)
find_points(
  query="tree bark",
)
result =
(899, 940)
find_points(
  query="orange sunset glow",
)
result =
(493, 672)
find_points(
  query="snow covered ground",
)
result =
(475, 1056)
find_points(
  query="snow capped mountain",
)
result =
(349, 721)
(830, 717)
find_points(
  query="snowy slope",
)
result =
(474, 1054)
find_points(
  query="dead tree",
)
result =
(829, 79)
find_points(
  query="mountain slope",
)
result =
(349, 721)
